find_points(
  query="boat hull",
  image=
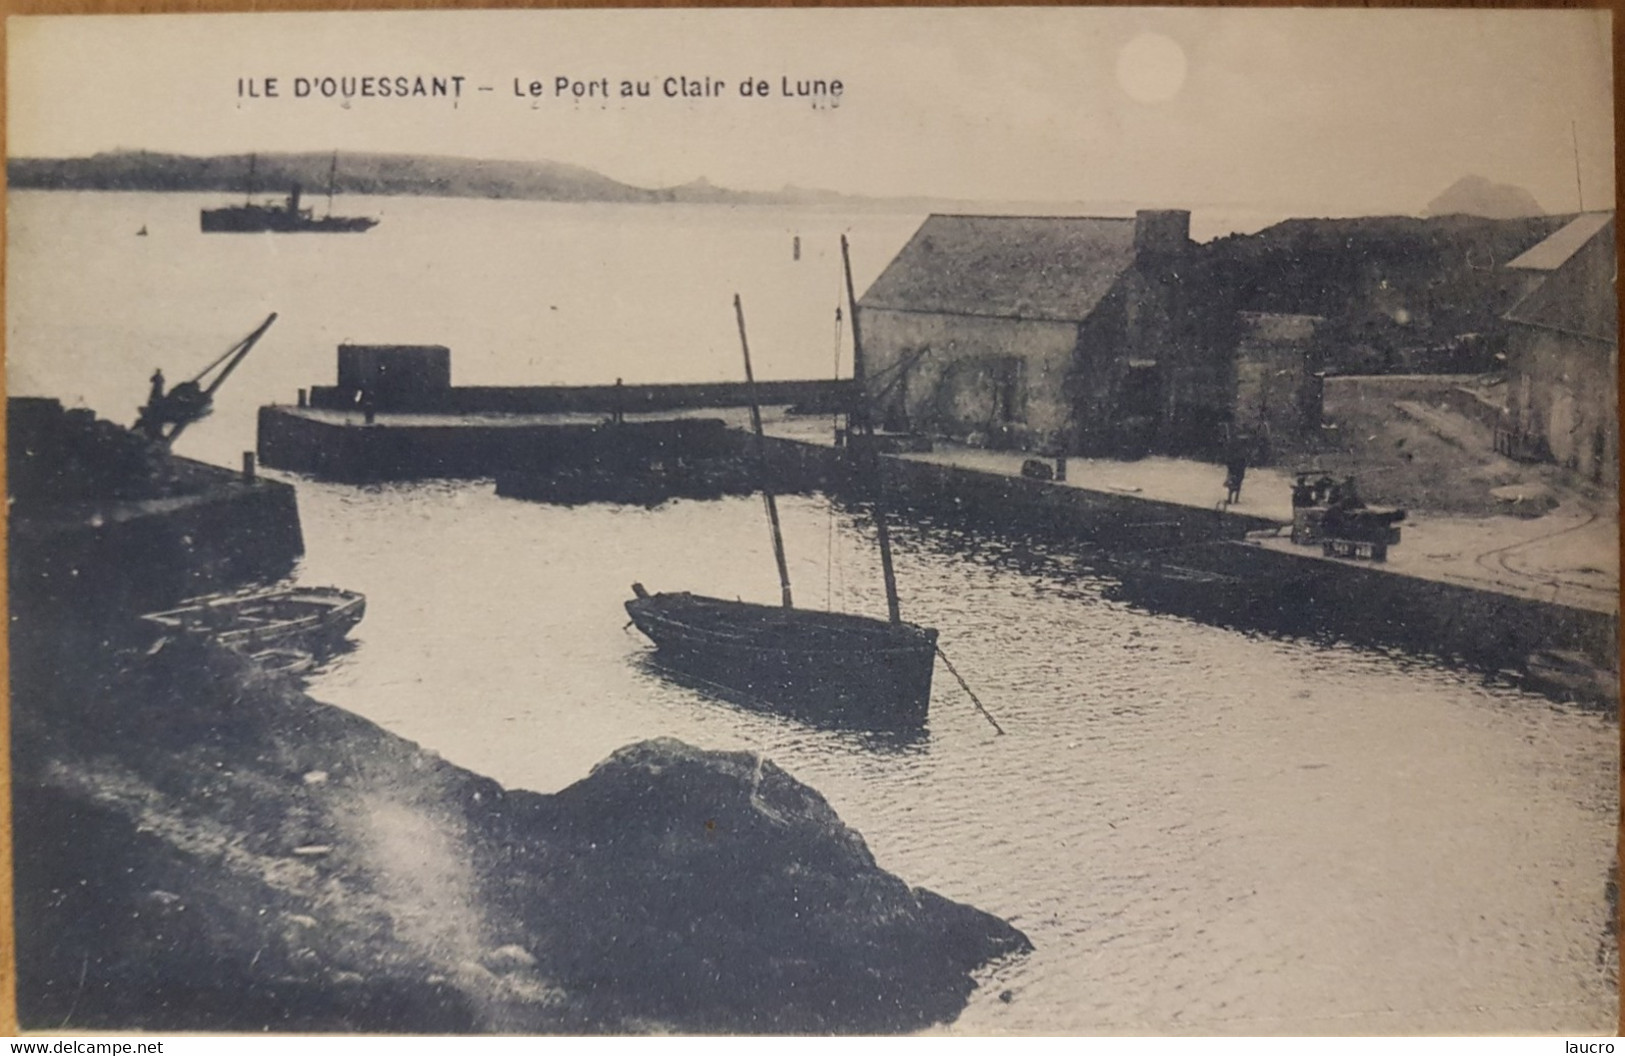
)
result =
(252, 218)
(314, 619)
(848, 670)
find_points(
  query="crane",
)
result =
(166, 415)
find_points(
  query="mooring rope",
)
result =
(969, 691)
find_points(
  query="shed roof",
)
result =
(1558, 247)
(1024, 267)
(1579, 296)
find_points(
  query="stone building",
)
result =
(1080, 334)
(1563, 353)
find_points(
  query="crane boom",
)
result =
(192, 399)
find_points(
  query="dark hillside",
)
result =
(1400, 294)
(275, 174)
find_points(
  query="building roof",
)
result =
(1562, 244)
(1023, 267)
(1579, 297)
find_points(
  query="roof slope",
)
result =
(1025, 267)
(1578, 297)
(1554, 252)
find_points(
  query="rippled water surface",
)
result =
(1200, 830)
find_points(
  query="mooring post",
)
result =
(303, 399)
(248, 467)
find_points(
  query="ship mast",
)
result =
(867, 450)
(761, 455)
(332, 173)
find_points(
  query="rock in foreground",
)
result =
(743, 902)
(201, 846)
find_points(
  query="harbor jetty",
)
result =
(394, 415)
(102, 522)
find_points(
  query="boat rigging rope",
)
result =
(971, 692)
(835, 425)
(227, 354)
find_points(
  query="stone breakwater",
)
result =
(200, 845)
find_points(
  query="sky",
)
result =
(1339, 112)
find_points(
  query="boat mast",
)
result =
(761, 456)
(332, 173)
(893, 608)
(858, 415)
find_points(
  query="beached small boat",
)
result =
(840, 666)
(314, 619)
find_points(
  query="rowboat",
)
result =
(314, 619)
(838, 666)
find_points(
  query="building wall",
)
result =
(391, 371)
(1562, 401)
(1278, 392)
(1178, 330)
(1000, 382)
(1563, 366)
(1142, 373)
(1114, 404)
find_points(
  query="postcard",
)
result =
(992, 521)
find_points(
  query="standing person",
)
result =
(155, 395)
(1235, 469)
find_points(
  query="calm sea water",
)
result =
(1201, 830)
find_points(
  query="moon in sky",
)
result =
(1151, 68)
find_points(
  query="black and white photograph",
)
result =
(856, 521)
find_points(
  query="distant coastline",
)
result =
(441, 176)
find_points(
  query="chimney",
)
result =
(1162, 231)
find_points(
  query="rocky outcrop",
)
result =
(1476, 196)
(199, 845)
(744, 903)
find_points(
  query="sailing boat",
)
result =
(836, 666)
(286, 217)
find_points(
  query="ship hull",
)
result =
(849, 670)
(246, 219)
